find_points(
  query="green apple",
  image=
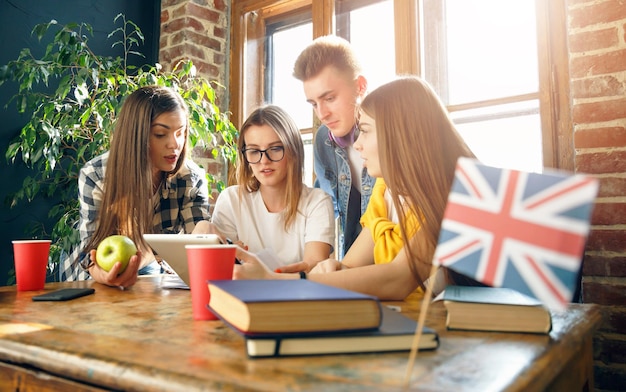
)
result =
(113, 249)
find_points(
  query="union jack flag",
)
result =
(524, 231)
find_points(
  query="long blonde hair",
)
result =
(418, 148)
(289, 134)
(128, 184)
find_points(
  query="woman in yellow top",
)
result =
(381, 225)
(380, 239)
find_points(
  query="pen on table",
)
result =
(230, 242)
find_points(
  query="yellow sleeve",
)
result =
(386, 234)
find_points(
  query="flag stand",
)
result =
(420, 325)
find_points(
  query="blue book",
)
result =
(396, 333)
(255, 307)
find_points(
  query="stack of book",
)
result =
(301, 317)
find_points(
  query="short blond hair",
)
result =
(324, 51)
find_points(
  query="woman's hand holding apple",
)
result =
(113, 277)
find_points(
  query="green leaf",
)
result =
(23, 104)
(81, 94)
(12, 151)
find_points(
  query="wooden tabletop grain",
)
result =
(145, 338)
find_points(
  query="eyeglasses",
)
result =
(274, 154)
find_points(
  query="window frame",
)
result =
(249, 18)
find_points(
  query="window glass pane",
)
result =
(287, 91)
(491, 49)
(501, 141)
(307, 138)
(372, 36)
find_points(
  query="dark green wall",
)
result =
(17, 19)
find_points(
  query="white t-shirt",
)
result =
(356, 166)
(248, 220)
(392, 213)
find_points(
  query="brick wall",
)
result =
(597, 44)
(196, 30)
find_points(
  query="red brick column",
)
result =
(597, 44)
(196, 32)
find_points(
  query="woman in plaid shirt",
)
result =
(149, 187)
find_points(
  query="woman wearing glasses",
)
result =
(272, 212)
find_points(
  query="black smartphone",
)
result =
(230, 242)
(64, 294)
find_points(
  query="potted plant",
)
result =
(74, 95)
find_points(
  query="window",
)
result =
(284, 42)
(481, 58)
(286, 37)
(366, 26)
(500, 67)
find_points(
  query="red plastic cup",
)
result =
(31, 263)
(207, 262)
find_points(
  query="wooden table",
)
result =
(145, 339)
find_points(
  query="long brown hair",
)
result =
(289, 134)
(418, 148)
(128, 184)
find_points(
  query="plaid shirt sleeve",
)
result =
(90, 186)
(184, 201)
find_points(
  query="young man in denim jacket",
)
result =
(333, 85)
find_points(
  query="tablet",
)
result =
(171, 248)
